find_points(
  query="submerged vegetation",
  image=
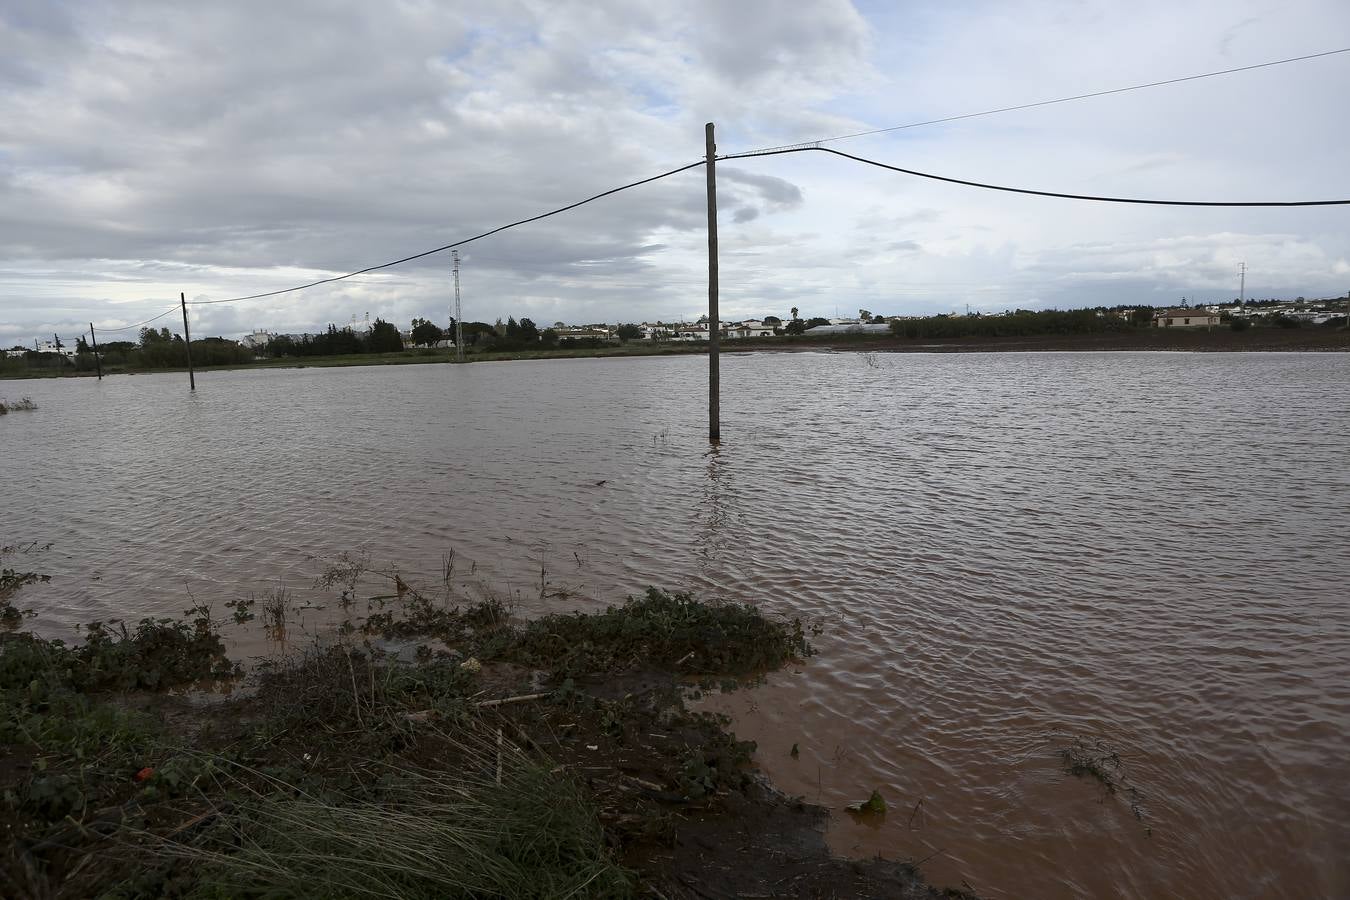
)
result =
(1097, 761)
(17, 406)
(11, 580)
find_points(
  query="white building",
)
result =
(256, 340)
(749, 329)
(584, 333)
(66, 349)
(1185, 318)
(690, 333)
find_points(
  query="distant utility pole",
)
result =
(1242, 286)
(714, 325)
(187, 343)
(459, 317)
(98, 364)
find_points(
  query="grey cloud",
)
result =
(755, 39)
(775, 191)
(148, 147)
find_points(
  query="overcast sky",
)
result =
(148, 148)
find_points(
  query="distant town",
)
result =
(161, 348)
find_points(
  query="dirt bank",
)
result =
(433, 750)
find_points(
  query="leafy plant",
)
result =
(660, 629)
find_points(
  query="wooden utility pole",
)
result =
(98, 364)
(459, 314)
(187, 342)
(714, 324)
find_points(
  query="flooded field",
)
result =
(1007, 555)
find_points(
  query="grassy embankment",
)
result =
(488, 758)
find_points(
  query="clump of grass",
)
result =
(276, 612)
(502, 826)
(658, 629)
(364, 696)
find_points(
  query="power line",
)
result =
(460, 243)
(742, 155)
(990, 112)
(139, 324)
(1015, 190)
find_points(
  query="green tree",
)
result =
(478, 332)
(794, 313)
(629, 332)
(425, 333)
(384, 338)
(81, 346)
(812, 323)
(796, 326)
(160, 349)
(151, 336)
(281, 345)
(529, 332)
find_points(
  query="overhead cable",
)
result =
(1016, 190)
(139, 324)
(459, 243)
(1004, 109)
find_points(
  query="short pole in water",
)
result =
(187, 343)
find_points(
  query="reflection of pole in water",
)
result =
(712, 526)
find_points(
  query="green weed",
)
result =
(658, 629)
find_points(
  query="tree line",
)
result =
(383, 337)
(156, 349)
(511, 335)
(1019, 323)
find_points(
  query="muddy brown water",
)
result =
(1006, 553)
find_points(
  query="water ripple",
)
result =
(1004, 552)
